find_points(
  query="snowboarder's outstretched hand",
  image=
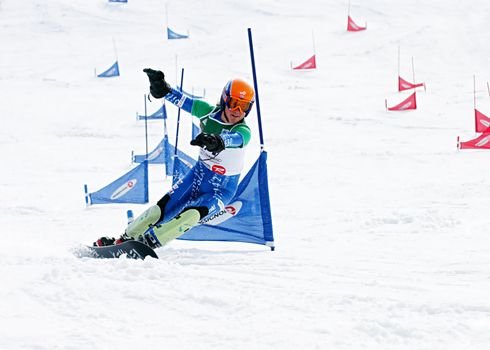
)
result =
(211, 142)
(158, 86)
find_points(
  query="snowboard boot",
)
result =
(104, 241)
(150, 217)
(160, 235)
(124, 238)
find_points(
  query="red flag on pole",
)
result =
(481, 142)
(352, 26)
(409, 103)
(482, 122)
(310, 63)
(405, 85)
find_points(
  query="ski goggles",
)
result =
(235, 103)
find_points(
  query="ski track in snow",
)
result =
(381, 225)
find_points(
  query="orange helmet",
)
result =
(238, 94)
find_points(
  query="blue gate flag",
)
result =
(132, 187)
(187, 94)
(160, 114)
(173, 35)
(248, 216)
(157, 156)
(113, 71)
(163, 154)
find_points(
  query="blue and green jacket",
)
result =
(235, 136)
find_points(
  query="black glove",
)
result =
(158, 85)
(211, 142)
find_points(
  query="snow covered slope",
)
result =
(381, 225)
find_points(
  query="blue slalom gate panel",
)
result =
(173, 35)
(159, 114)
(248, 216)
(132, 187)
(188, 94)
(163, 154)
(113, 71)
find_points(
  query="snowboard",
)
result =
(132, 250)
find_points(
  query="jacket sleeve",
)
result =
(238, 136)
(177, 98)
(195, 107)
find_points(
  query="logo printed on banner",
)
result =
(406, 105)
(155, 153)
(121, 191)
(485, 123)
(483, 141)
(352, 26)
(218, 169)
(186, 163)
(230, 211)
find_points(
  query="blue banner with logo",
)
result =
(247, 218)
(132, 187)
(157, 155)
(113, 71)
(118, 1)
(173, 35)
(160, 114)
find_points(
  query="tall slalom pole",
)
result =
(398, 61)
(166, 150)
(474, 100)
(178, 112)
(256, 88)
(147, 182)
(164, 108)
(174, 171)
(146, 129)
(313, 39)
(413, 71)
(115, 48)
(263, 183)
(474, 91)
(166, 18)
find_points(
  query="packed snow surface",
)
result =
(381, 224)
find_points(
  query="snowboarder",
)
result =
(213, 181)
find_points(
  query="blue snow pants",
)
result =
(201, 187)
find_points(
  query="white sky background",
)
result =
(381, 225)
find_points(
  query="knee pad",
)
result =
(203, 211)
